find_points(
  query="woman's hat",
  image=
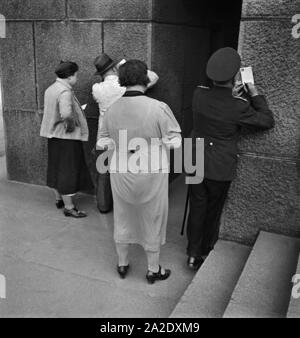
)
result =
(103, 63)
(223, 64)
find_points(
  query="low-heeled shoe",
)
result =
(194, 263)
(60, 204)
(74, 213)
(123, 270)
(152, 277)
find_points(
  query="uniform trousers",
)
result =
(206, 204)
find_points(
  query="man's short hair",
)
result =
(132, 73)
(66, 69)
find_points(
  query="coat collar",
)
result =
(133, 93)
(64, 83)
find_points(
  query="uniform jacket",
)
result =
(218, 117)
(60, 103)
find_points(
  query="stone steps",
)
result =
(235, 281)
(211, 288)
(294, 307)
(264, 287)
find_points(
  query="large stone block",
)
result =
(264, 196)
(168, 62)
(269, 47)
(128, 40)
(17, 66)
(33, 9)
(108, 9)
(270, 8)
(26, 150)
(79, 42)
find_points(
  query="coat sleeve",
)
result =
(169, 128)
(103, 139)
(257, 114)
(65, 104)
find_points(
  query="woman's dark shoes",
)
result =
(154, 276)
(123, 270)
(194, 263)
(74, 213)
(60, 204)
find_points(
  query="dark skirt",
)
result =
(67, 171)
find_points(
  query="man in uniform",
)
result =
(218, 117)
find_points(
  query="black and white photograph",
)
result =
(149, 162)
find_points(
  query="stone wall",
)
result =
(40, 33)
(175, 38)
(265, 194)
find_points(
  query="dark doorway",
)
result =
(221, 21)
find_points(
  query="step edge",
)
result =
(261, 236)
(186, 295)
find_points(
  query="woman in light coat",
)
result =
(65, 127)
(140, 194)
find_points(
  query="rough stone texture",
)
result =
(168, 62)
(264, 196)
(107, 9)
(128, 40)
(209, 293)
(270, 7)
(27, 151)
(79, 42)
(17, 66)
(263, 290)
(269, 47)
(33, 9)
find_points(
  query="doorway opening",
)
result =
(220, 23)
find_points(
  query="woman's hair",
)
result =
(66, 69)
(132, 73)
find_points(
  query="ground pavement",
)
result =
(61, 267)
